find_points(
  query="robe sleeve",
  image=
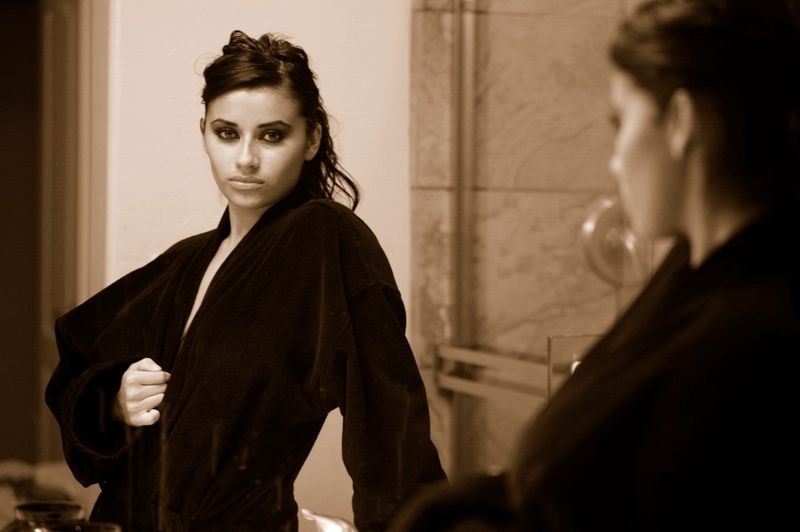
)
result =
(83, 386)
(386, 442)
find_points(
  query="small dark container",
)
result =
(36, 515)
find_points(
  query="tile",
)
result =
(470, 424)
(434, 5)
(431, 301)
(542, 104)
(541, 153)
(530, 275)
(504, 425)
(488, 433)
(586, 8)
(441, 413)
(431, 105)
(431, 306)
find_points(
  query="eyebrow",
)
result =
(222, 121)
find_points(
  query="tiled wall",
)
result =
(541, 145)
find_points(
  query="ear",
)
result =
(681, 123)
(203, 133)
(312, 143)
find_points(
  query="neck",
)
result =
(709, 217)
(710, 226)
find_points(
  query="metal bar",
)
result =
(463, 157)
(521, 371)
(488, 391)
(461, 217)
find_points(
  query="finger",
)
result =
(149, 403)
(145, 418)
(137, 393)
(149, 377)
(134, 379)
(146, 364)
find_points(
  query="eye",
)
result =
(273, 135)
(227, 134)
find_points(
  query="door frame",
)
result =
(74, 65)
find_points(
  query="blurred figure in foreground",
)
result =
(680, 417)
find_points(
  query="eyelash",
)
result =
(228, 135)
(277, 134)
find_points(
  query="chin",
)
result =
(642, 228)
(251, 205)
(250, 201)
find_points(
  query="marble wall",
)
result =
(539, 164)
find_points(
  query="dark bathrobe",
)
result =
(681, 418)
(303, 317)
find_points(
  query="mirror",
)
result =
(540, 137)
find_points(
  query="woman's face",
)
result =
(256, 141)
(649, 179)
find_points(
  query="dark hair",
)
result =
(740, 61)
(272, 61)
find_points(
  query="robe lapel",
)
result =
(173, 309)
(234, 265)
(656, 309)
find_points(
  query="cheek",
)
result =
(287, 164)
(655, 197)
(636, 166)
(622, 165)
(218, 159)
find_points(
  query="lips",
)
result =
(246, 180)
(245, 184)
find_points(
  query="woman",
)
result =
(680, 417)
(193, 389)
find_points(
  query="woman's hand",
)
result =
(140, 392)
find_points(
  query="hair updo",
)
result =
(272, 61)
(740, 61)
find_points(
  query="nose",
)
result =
(247, 158)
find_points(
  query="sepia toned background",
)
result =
(476, 129)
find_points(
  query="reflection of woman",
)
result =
(680, 417)
(245, 337)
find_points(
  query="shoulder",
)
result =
(186, 245)
(173, 256)
(757, 295)
(329, 229)
(140, 280)
(767, 305)
(328, 213)
(324, 219)
(742, 349)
